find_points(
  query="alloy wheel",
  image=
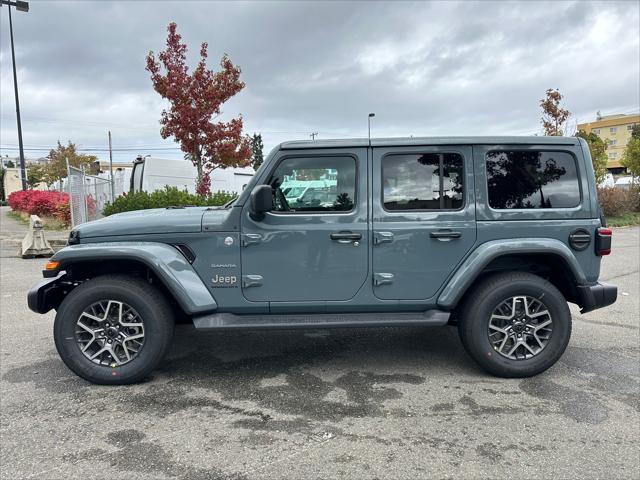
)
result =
(520, 327)
(110, 333)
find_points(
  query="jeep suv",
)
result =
(494, 235)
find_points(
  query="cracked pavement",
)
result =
(378, 403)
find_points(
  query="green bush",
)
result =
(169, 197)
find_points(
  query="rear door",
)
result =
(423, 218)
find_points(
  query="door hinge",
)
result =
(251, 281)
(250, 238)
(382, 279)
(382, 237)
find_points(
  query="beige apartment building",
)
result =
(616, 131)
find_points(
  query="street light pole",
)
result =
(22, 7)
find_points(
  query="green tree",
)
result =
(56, 168)
(631, 156)
(257, 157)
(10, 164)
(35, 175)
(2, 173)
(598, 150)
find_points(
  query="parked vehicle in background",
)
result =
(624, 183)
(608, 181)
(150, 174)
(493, 234)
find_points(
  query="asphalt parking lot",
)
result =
(384, 403)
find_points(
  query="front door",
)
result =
(423, 218)
(313, 246)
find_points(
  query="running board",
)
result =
(230, 321)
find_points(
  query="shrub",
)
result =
(616, 201)
(42, 203)
(168, 197)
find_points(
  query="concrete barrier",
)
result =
(34, 244)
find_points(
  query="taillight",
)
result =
(603, 241)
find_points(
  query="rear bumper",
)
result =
(46, 294)
(596, 296)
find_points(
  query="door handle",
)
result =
(345, 237)
(445, 234)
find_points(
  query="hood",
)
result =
(141, 222)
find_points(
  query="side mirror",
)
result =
(261, 201)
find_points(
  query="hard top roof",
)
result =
(409, 141)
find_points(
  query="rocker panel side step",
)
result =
(230, 321)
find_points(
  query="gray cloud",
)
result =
(437, 68)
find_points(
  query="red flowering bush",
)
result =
(40, 202)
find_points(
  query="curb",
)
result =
(53, 242)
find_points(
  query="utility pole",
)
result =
(113, 195)
(21, 7)
(313, 135)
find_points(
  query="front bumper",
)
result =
(47, 294)
(596, 296)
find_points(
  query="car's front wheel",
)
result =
(113, 329)
(515, 324)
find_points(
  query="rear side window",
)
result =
(532, 179)
(429, 181)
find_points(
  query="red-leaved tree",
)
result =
(194, 101)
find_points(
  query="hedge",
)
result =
(616, 201)
(168, 197)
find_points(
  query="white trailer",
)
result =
(150, 174)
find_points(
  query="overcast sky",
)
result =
(440, 68)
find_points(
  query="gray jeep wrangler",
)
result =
(495, 235)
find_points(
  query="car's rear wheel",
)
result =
(113, 329)
(515, 324)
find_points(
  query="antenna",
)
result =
(313, 135)
(371, 115)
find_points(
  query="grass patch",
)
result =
(18, 217)
(50, 223)
(625, 220)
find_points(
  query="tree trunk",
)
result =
(198, 158)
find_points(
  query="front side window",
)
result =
(532, 179)
(314, 184)
(613, 129)
(429, 181)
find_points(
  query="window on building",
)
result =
(596, 131)
(532, 179)
(630, 127)
(613, 154)
(429, 181)
(314, 184)
(612, 141)
(613, 129)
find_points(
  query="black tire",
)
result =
(147, 301)
(478, 307)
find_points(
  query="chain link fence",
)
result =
(88, 195)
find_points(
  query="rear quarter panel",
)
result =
(553, 223)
